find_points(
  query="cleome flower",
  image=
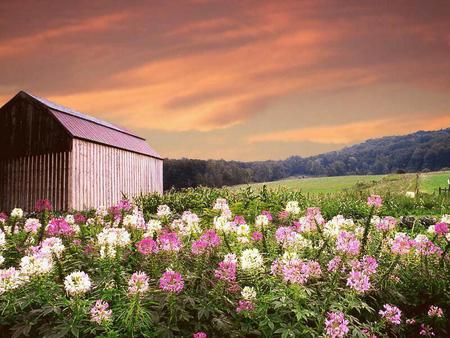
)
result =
(336, 326)
(77, 283)
(100, 312)
(251, 259)
(171, 281)
(138, 283)
(391, 313)
(11, 279)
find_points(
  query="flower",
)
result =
(426, 330)
(221, 204)
(32, 225)
(336, 326)
(36, 264)
(154, 226)
(410, 194)
(163, 211)
(257, 236)
(77, 283)
(445, 219)
(17, 213)
(391, 313)
(200, 334)
(248, 293)
(59, 227)
(251, 259)
(374, 201)
(401, 244)
(169, 241)
(347, 243)
(227, 270)
(292, 207)
(147, 246)
(52, 246)
(222, 224)
(261, 220)
(435, 311)
(10, 279)
(100, 313)
(245, 305)
(441, 228)
(358, 281)
(2, 239)
(138, 283)
(43, 205)
(171, 281)
(338, 223)
(114, 237)
(334, 264)
(387, 223)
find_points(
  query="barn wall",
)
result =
(101, 174)
(26, 179)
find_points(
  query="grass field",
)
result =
(427, 182)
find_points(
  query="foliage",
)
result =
(252, 264)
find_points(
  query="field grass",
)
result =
(427, 182)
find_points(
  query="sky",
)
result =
(241, 80)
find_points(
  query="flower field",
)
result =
(217, 263)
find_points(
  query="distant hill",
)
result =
(419, 151)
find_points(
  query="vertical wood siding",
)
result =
(24, 180)
(100, 175)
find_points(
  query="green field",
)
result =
(426, 182)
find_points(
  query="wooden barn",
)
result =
(76, 161)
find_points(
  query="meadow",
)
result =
(399, 183)
(207, 262)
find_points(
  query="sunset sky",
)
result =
(244, 80)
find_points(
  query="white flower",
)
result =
(410, 194)
(153, 226)
(17, 213)
(289, 256)
(226, 213)
(248, 293)
(338, 223)
(10, 279)
(190, 224)
(230, 258)
(32, 225)
(261, 220)
(163, 210)
(70, 219)
(430, 230)
(36, 264)
(2, 260)
(101, 211)
(292, 207)
(114, 237)
(107, 251)
(445, 219)
(221, 204)
(2, 239)
(421, 238)
(222, 224)
(136, 220)
(251, 259)
(243, 239)
(52, 245)
(242, 229)
(77, 283)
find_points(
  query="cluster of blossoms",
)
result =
(135, 220)
(138, 283)
(147, 246)
(374, 201)
(347, 243)
(36, 264)
(251, 260)
(112, 238)
(336, 326)
(296, 271)
(385, 224)
(11, 279)
(163, 211)
(435, 311)
(169, 241)
(59, 227)
(100, 312)
(171, 281)
(289, 238)
(310, 221)
(292, 208)
(424, 246)
(333, 227)
(227, 269)
(359, 277)
(188, 224)
(32, 225)
(401, 244)
(200, 334)
(207, 241)
(154, 226)
(43, 205)
(77, 283)
(16, 213)
(391, 313)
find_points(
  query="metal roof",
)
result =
(92, 129)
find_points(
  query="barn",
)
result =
(76, 161)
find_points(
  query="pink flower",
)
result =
(43, 205)
(239, 220)
(32, 225)
(199, 247)
(124, 205)
(207, 241)
(374, 201)
(391, 313)
(138, 283)
(347, 243)
(147, 246)
(3, 217)
(79, 219)
(200, 335)
(169, 241)
(358, 281)
(59, 227)
(367, 265)
(100, 313)
(295, 271)
(386, 223)
(441, 228)
(171, 281)
(314, 214)
(426, 247)
(267, 214)
(226, 271)
(402, 244)
(435, 311)
(245, 305)
(336, 326)
(334, 264)
(283, 214)
(257, 236)
(426, 330)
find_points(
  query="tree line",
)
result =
(420, 151)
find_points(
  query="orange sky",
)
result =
(243, 80)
